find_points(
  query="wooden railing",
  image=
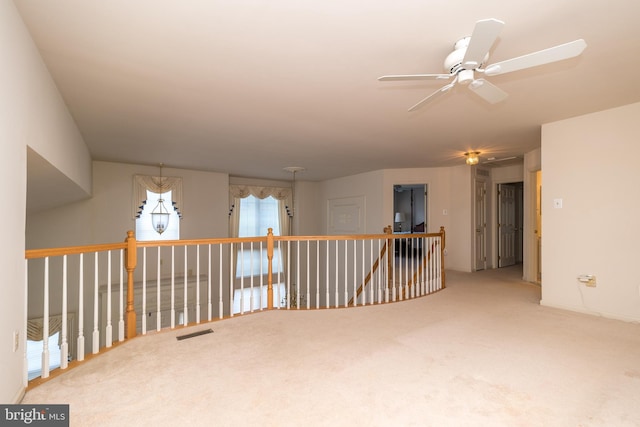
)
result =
(183, 282)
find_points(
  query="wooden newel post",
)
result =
(442, 252)
(270, 267)
(390, 255)
(130, 264)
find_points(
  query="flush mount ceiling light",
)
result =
(160, 214)
(472, 157)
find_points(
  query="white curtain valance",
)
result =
(142, 183)
(242, 191)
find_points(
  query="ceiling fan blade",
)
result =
(546, 56)
(488, 91)
(444, 89)
(484, 36)
(398, 77)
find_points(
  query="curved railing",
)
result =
(121, 290)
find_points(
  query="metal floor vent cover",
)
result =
(195, 334)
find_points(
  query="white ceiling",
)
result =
(249, 87)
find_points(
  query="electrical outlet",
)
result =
(16, 341)
(588, 280)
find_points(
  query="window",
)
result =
(144, 228)
(34, 355)
(256, 217)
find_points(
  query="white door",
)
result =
(506, 225)
(481, 225)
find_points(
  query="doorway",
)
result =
(510, 223)
(410, 208)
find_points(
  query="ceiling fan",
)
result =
(470, 55)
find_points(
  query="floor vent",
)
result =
(195, 334)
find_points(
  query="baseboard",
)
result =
(19, 396)
(583, 310)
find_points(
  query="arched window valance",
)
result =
(142, 183)
(242, 191)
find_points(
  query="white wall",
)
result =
(107, 216)
(449, 205)
(366, 186)
(32, 113)
(590, 163)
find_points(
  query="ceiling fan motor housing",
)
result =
(453, 61)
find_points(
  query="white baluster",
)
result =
(262, 273)
(197, 283)
(381, 265)
(185, 294)
(371, 262)
(298, 275)
(241, 258)
(209, 305)
(327, 302)
(346, 273)
(317, 273)
(144, 291)
(96, 331)
(251, 277)
(173, 287)
(64, 345)
(231, 270)
(278, 293)
(220, 301)
(308, 279)
(45, 322)
(439, 265)
(288, 290)
(406, 269)
(158, 290)
(80, 345)
(364, 290)
(336, 278)
(121, 306)
(394, 273)
(412, 258)
(109, 329)
(432, 282)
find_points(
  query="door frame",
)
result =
(518, 221)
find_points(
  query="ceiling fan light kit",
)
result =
(471, 53)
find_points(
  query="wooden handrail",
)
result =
(72, 250)
(130, 246)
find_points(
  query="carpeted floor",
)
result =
(482, 352)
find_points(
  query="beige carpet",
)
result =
(482, 352)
